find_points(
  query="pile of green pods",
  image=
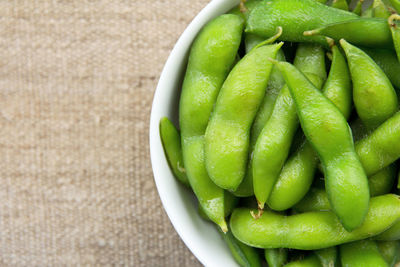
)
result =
(290, 131)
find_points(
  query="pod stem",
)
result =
(272, 39)
(223, 226)
(330, 42)
(258, 214)
(392, 19)
(312, 32)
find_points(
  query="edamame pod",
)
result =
(311, 230)
(390, 251)
(328, 132)
(340, 4)
(387, 60)
(275, 83)
(276, 257)
(171, 141)
(357, 32)
(381, 147)
(374, 96)
(295, 17)
(211, 57)
(337, 87)
(327, 256)
(298, 172)
(227, 134)
(309, 261)
(273, 143)
(394, 25)
(363, 253)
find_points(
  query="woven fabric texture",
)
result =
(77, 79)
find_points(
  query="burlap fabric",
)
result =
(76, 84)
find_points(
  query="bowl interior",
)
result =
(201, 237)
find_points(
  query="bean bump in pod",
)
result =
(374, 96)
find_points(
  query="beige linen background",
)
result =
(76, 84)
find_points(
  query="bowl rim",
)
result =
(187, 234)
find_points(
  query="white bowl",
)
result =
(200, 237)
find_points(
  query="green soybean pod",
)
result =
(327, 256)
(390, 250)
(387, 60)
(171, 141)
(295, 17)
(276, 257)
(394, 25)
(211, 57)
(337, 87)
(328, 132)
(381, 147)
(357, 32)
(274, 141)
(275, 83)
(380, 10)
(311, 230)
(358, 8)
(374, 96)
(309, 261)
(227, 134)
(340, 4)
(363, 253)
(298, 172)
